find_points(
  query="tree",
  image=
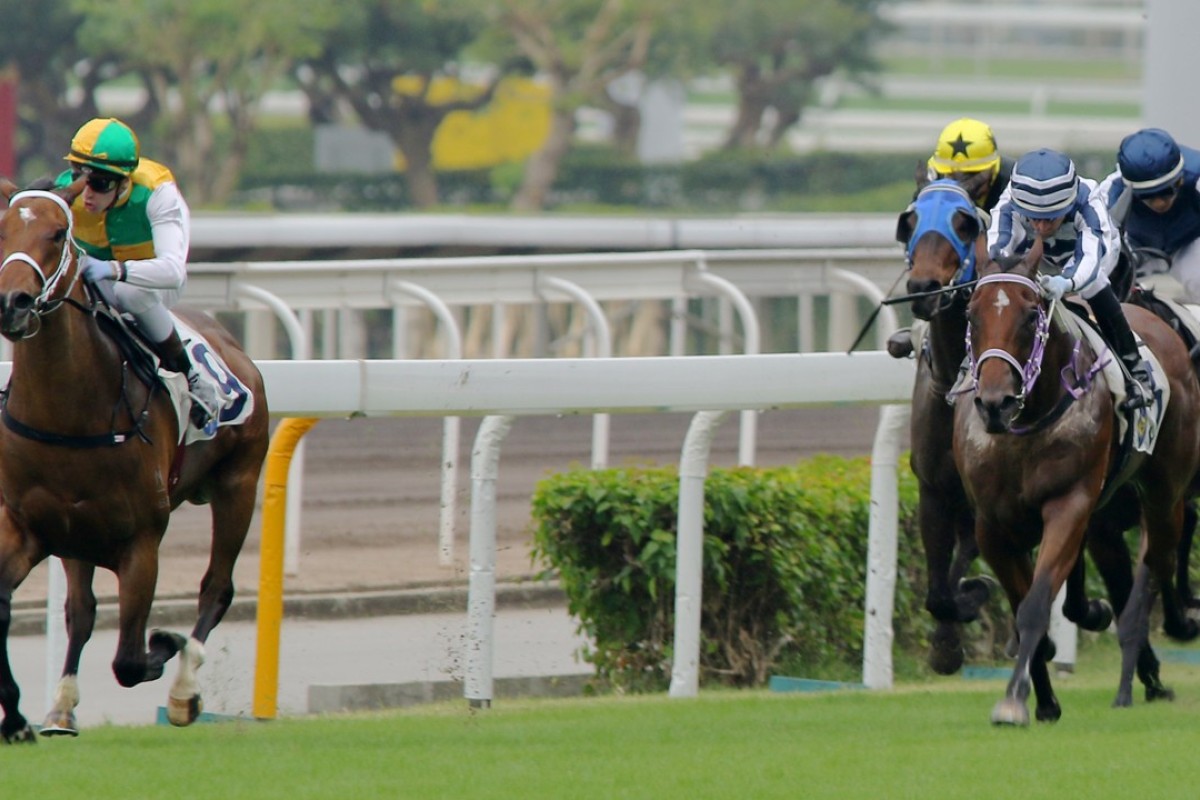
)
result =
(578, 47)
(376, 42)
(56, 82)
(204, 62)
(778, 49)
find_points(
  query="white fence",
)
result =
(709, 385)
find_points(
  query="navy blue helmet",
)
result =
(1150, 161)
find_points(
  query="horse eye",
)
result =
(60, 235)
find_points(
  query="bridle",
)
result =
(1032, 368)
(45, 302)
(945, 193)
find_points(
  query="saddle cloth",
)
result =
(238, 400)
(1146, 420)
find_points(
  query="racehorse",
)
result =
(943, 236)
(1038, 447)
(90, 466)
(937, 230)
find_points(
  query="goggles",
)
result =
(97, 181)
(1165, 193)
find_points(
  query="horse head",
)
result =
(38, 255)
(1007, 326)
(942, 234)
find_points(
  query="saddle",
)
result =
(140, 355)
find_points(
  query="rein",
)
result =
(44, 304)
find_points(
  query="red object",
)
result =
(8, 122)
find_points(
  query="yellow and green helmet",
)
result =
(105, 144)
(965, 145)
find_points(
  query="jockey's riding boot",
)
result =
(205, 402)
(1114, 326)
(900, 343)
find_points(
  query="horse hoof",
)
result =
(169, 641)
(1159, 693)
(1010, 712)
(1183, 631)
(182, 712)
(23, 736)
(1050, 713)
(945, 651)
(1099, 616)
(60, 723)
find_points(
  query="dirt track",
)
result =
(372, 492)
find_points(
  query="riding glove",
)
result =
(1055, 286)
(96, 270)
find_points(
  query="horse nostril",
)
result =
(21, 301)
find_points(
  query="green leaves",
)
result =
(784, 566)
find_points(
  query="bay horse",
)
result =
(1037, 449)
(938, 230)
(943, 237)
(91, 468)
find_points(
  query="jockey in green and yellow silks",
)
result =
(134, 227)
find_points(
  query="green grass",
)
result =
(1025, 68)
(983, 106)
(925, 740)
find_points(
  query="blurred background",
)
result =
(705, 106)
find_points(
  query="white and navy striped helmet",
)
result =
(1044, 184)
(1150, 161)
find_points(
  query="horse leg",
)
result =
(1133, 632)
(81, 620)
(136, 579)
(1013, 569)
(1090, 615)
(1183, 579)
(938, 540)
(1034, 647)
(18, 555)
(232, 508)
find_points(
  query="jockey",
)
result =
(1047, 200)
(134, 226)
(1154, 198)
(964, 147)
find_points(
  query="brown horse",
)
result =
(943, 236)
(939, 260)
(1037, 449)
(90, 469)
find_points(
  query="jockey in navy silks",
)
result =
(1154, 198)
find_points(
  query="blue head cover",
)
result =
(935, 207)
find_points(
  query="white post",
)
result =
(56, 627)
(881, 548)
(689, 555)
(1063, 633)
(481, 587)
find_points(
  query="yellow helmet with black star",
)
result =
(965, 145)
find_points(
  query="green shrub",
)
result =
(784, 567)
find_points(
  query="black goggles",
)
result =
(102, 182)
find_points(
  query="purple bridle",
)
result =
(1032, 368)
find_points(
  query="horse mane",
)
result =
(42, 184)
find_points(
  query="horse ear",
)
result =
(922, 175)
(977, 185)
(73, 190)
(7, 188)
(1034, 257)
(906, 223)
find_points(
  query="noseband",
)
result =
(1032, 368)
(43, 303)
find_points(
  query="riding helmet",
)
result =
(965, 145)
(105, 144)
(1149, 161)
(1044, 184)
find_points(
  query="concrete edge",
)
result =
(323, 699)
(30, 620)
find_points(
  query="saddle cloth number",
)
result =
(232, 389)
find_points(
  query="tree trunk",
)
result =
(542, 167)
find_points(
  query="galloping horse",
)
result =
(90, 466)
(1037, 450)
(944, 241)
(943, 236)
